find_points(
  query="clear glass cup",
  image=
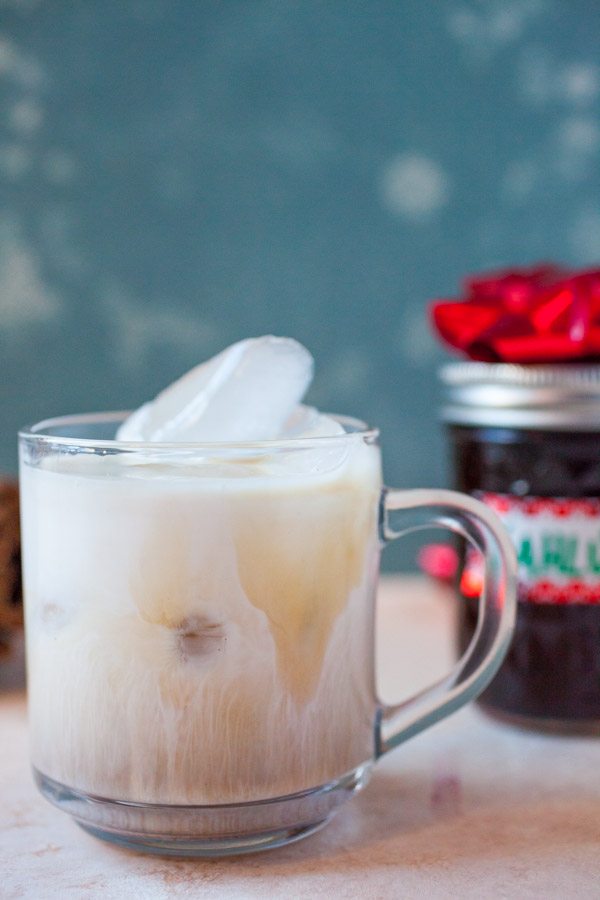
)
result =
(200, 629)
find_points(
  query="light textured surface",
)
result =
(468, 809)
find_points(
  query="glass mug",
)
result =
(200, 629)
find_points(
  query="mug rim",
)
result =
(38, 432)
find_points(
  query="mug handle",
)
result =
(404, 511)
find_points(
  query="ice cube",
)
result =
(308, 422)
(246, 393)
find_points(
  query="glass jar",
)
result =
(526, 440)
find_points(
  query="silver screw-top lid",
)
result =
(551, 397)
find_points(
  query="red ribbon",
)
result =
(539, 315)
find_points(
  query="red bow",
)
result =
(539, 315)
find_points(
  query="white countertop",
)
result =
(469, 809)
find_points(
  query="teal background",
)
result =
(177, 175)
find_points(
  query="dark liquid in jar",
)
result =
(552, 669)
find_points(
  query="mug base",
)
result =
(205, 831)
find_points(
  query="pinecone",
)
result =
(11, 600)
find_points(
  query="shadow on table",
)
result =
(405, 822)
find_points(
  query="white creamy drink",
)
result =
(199, 610)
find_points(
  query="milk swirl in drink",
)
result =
(197, 612)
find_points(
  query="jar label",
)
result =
(558, 546)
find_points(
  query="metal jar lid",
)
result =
(503, 395)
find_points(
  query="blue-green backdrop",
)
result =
(177, 175)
